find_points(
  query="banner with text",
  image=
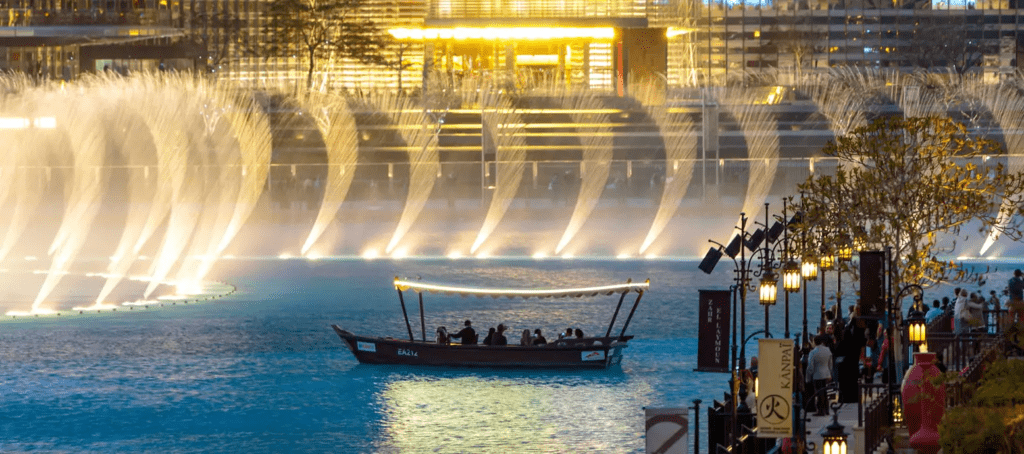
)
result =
(713, 331)
(775, 388)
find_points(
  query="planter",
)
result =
(923, 403)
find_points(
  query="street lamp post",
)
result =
(744, 274)
(791, 276)
(828, 261)
(843, 255)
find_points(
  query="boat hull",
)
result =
(590, 353)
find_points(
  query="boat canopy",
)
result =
(420, 287)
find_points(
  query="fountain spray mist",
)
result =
(501, 123)
(337, 127)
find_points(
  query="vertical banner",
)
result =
(775, 388)
(667, 430)
(872, 284)
(713, 332)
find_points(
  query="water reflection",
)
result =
(549, 412)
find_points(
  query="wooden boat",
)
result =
(586, 353)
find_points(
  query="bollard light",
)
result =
(768, 291)
(791, 277)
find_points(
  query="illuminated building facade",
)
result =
(586, 43)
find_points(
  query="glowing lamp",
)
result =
(845, 253)
(916, 328)
(828, 261)
(833, 437)
(791, 277)
(809, 269)
(897, 410)
(768, 290)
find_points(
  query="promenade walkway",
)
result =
(847, 417)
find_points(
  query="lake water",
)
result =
(260, 370)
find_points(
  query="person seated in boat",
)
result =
(489, 340)
(468, 334)
(538, 338)
(566, 335)
(579, 333)
(527, 339)
(499, 338)
(442, 335)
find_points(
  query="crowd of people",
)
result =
(496, 336)
(852, 348)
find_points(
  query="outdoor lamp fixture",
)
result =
(916, 328)
(791, 277)
(768, 290)
(834, 436)
(897, 410)
(776, 231)
(828, 261)
(845, 253)
(809, 269)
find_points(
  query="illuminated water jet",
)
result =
(502, 125)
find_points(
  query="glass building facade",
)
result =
(595, 44)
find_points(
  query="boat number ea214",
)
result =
(407, 352)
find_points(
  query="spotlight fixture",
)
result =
(734, 246)
(755, 240)
(796, 219)
(710, 260)
(775, 231)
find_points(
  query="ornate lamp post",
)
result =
(809, 271)
(843, 254)
(744, 275)
(828, 261)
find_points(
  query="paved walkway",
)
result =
(847, 417)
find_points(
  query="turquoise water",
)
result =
(261, 371)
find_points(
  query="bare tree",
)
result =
(319, 30)
(941, 41)
(217, 33)
(797, 36)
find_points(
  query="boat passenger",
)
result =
(538, 338)
(567, 334)
(527, 339)
(499, 336)
(579, 333)
(442, 335)
(468, 334)
(489, 340)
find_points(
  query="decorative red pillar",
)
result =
(923, 403)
